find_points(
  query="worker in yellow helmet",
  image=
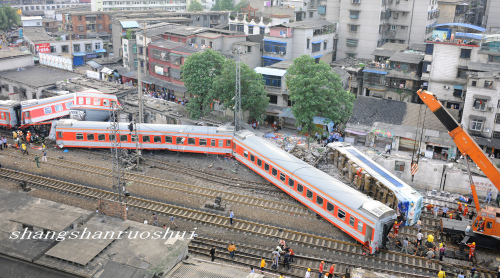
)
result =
(459, 207)
(472, 250)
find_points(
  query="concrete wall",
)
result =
(18, 62)
(19, 92)
(493, 20)
(447, 13)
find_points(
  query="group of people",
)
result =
(165, 96)
(445, 212)
(334, 136)
(23, 140)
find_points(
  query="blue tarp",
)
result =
(273, 41)
(458, 87)
(375, 71)
(100, 50)
(274, 58)
(318, 56)
(79, 54)
(317, 42)
(477, 28)
(129, 24)
(468, 35)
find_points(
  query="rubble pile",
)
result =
(311, 156)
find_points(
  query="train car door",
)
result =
(368, 233)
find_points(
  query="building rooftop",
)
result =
(9, 54)
(246, 43)
(193, 30)
(143, 13)
(405, 57)
(383, 52)
(31, 18)
(309, 24)
(255, 38)
(38, 76)
(417, 47)
(167, 44)
(43, 217)
(270, 71)
(158, 29)
(209, 35)
(37, 34)
(394, 46)
(285, 64)
(411, 117)
(187, 49)
(368, 110)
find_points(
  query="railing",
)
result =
(272, 88)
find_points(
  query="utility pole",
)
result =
(237, 97)
(115, 150)
(71, 40)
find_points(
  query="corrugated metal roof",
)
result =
(93, 64)
(383, 52)
(270, 71)
(477, 28)
(411, 58)
(129, 24)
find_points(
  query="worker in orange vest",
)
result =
(459, 207)
(451, 215)
(466, 210)
(472, 250)
(396, 227)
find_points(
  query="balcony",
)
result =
(274, 90)
(214, 21)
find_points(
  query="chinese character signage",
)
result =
(482, 185)
(42, 48)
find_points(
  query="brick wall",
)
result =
(79, 20)
(113, 208)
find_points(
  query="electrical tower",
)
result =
(118, 173)
(237, 98)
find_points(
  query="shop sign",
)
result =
(382, 133)
(482, 185)
(92, 55)
(42, 48)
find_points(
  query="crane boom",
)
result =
(463, 140)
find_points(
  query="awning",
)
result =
(481, 97)
(317, 42)
(318, 56)
(273, 41)
(130, 75)
(129, 24)
(163, 83)
(116, 74)
(458, 87)
(93, 64)
(320, 121)
(493, 142)
(107, 70)
(270, 71)
(375, 71)
(100, 51)
(286, 113)
(478, 118)
(79, 54)
(175, 55)
(273, 109)
(274, 58)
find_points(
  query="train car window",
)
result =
(58, 108)
(221, 143)
(123, 138)
(134, 138)
(157, 139)
(245, 154)
(69, 105)
(146, 139)
(47, 110)
(79, 136)
(291, 182)
(228, 143)
(330, 207)
(191, 141)
(341, 214)
(80, 100)
(168, 139)
(252, 158)
(203, 142)
(309, 194)
(234, 146)
(212, 143)
(88, 101)
(489, 225)
(351, 221)
(484, 214)
(105, 102)
(266, 166)
(101, 137)
(282, 177)
(274, 172)
(59, 134)
(259, 162)
(97, 101)
(360, 226)
(319, 201)
(27, 114)
(90, 136)
(300, 188)
(180, 140)
(112, 137)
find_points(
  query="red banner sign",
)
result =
(42, 48)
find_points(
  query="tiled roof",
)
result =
(368, 110)
(431, 121)
(410, 58)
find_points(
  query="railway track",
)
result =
(203, 192)
(387, 261)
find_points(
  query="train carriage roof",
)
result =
(181, 130)
(327, 184)
(8, 103)
(34, 102)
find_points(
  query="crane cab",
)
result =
(487, 221)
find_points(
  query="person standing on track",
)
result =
(37, 160)
(24, 149)
(436, 210)
(308, 273)
(396, 227)
(286, 260)
(466, 210)
(231, 216)
(262, 264)
(442, 274)
(472, 250)
(4, 141)
(321, 265)
(419, 238)
(445, 211)
(332, 269)
(212, 253)
(44, 157)
(232, 250)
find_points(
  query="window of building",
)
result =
(399, 166)
(300, 188)
(291, 182)
(352, 42)
(310, 14)
(473, 83)
(76, 48)
(309, 194)
(179, 140)
(123, 138)
(64, 49)
(98, 16)
(341, 214)
(488, 84)
(168, 139)
(240, 28)
(90, 136)
(88, 47)
(316, 47)
(79, 136)
(271, 80)
(319, 201)
(273, 99)
(354, 14)
(351, 55)
(465, 53)
(135, 63)
(79, 18)
(330, 207)
(429, 49)
(262, 30)
(100, 26)
(191, 141)
(496, 134)
(80, 28)
(97, 45)
(480, 104)
(476, 124)
(202, 142)
(324, 45)
(250, 30)
(157, 139)
(353, 28)
(275, 47)
(110, 26)
(393, 27)
(308, 42)
(274, 172)
(282, 177)
(497, 118)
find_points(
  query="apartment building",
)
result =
(453, 11)
(394, 73)
(364, 25)
(125, 5)
(84, 23)
(256, 26)
(315, 38)
(491, 19)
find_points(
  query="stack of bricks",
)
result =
(113, 208)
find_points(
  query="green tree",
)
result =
(241, 4)
(195, 6)
(226, 5)
(253, 96)
(216, 7)
(8, 17)
(317, 91)
(198, 73)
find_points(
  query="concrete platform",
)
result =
(126, 257)
(47, 218)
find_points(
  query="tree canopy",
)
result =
(216, 7)
(195, 5)
(226, 5)
(317, 91)
(253, 95)
(8, 17)
(198, 73)
(241, 4)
